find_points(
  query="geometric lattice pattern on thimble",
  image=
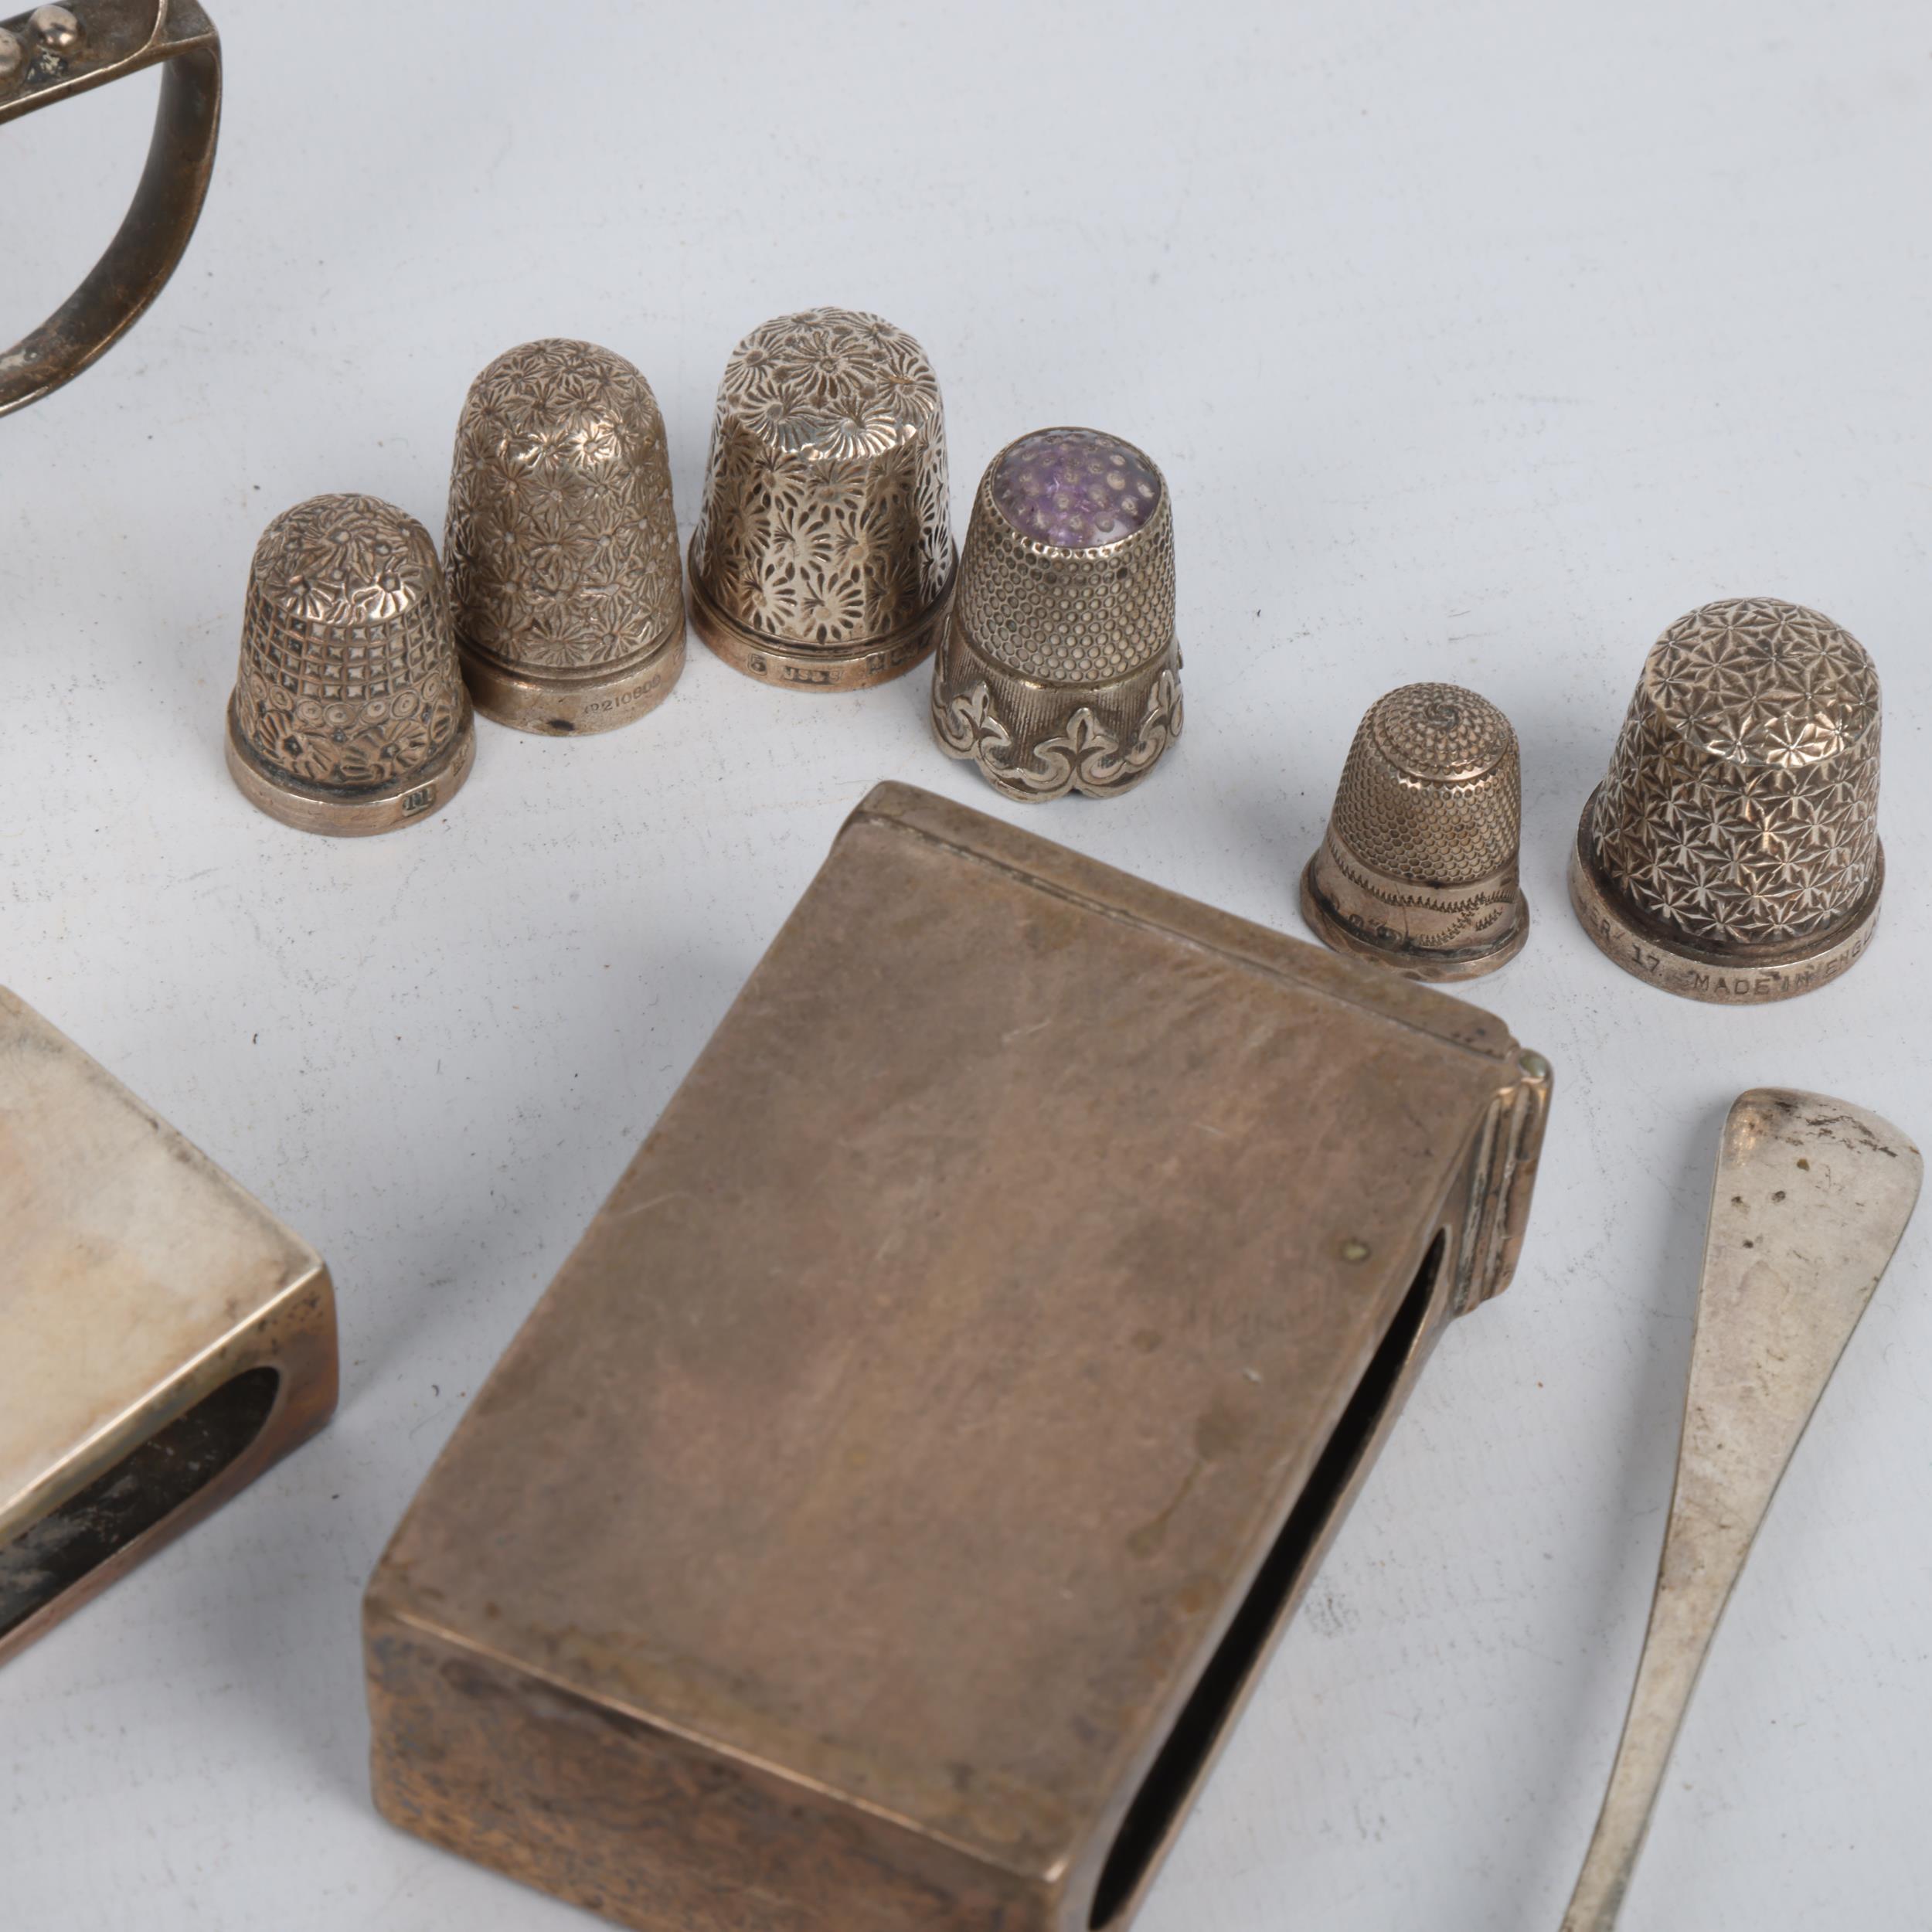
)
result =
(1741, 804)
(348, 673)
(562, 543)
(1067, 576)
(1432, 789)
(826, 518)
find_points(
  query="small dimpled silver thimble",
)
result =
(1418, 869)
(349, 715)
(824, 549)
(562, 543)
(1732, 852)
(1059, 669)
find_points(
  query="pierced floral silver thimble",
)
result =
(349, 715)
(823, 553)
(1417, 871)
(1059, 669)
(562, 543)
(1732, 853)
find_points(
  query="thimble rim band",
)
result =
(585, 704)
(818, 666)
(353, 811)
(1412, 962)
(565, 675)
(1592, 891)
(984, 501)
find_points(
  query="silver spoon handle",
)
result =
(1683, 1619)
(1811, 1196)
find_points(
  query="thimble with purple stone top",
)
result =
(1059, 669)
(349, 715)
(1732, 852)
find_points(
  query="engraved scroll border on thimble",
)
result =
(1779, 804)
(1418, 870)
(567, 586)
(1058, 667)
(823, 558)
(349, 715)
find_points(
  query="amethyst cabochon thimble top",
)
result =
(1075, 489)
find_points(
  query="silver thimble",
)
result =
(1059, 669)
(1417, 871)
(1732, 854)
(349, 715)
(562, 543)
(824, 550)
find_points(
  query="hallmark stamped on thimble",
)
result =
(1418, 869)
(1732, 852)
(1059, 669)
(349, 715)
(562, 543)
(823, 553)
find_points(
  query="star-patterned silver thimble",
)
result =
(1732, 852)
(562, 543)
(1418, 869)
(1059, 669)
(823, 553)
(349, 715)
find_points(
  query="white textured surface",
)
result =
(1478, 343)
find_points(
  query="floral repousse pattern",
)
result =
(562, 542)
(348, 673)
(1082, 753)
(1741, 806)
(826, 518)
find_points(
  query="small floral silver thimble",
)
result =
(1418, 869)
(1732, 852)
(349, 715)
(823, 553)
(1059, 669)
(562, 543)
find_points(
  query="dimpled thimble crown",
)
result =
(562, 543)
(349, 714)
(823, 548)
(1059, 669)
(1418, 869)
(1732, 851)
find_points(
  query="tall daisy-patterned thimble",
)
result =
(562, 543)
(1418, 869)
(349, 715)
(1732, 852)
(823, 553)
(1059, 669)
